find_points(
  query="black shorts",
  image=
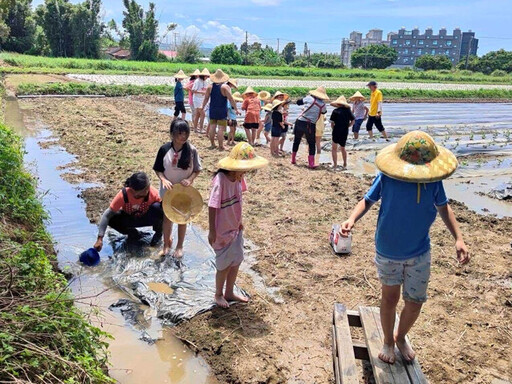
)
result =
(251, 125)
(232, 123)
(377, 120)
(179, 107)
(339, 136)
(276, 131)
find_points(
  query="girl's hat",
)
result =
(416, 159)
(182, 204)
(238, 97)
(242, 158)
(357, 96)
(279, 93)
(249, 91)
(196, 73)
(91, 257)
(264, 95)
(219, 77)
(267, 107)
(277, 103)
(205, 72)
(319, 93)
(340, 102)
(180, 75)
(233, 82)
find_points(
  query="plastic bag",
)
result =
(342, 245)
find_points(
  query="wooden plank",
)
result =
(384, 373)
(353, 318)
(360, 350)
(335, 362)
(345, 352)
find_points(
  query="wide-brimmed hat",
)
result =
(417, 159)
(237, 97)
(219, 77)
(357, 96)
(182, 204)
(249, 91)
(242, 158)
(196, 73)
(340, 102)
(233, 82)
(267, 107)
(264, 95)
(277, 103)
(279, 93)
(319, 93)
(205, 72)
(180, 75)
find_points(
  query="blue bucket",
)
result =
(91, 257)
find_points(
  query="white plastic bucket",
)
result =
(339, 243)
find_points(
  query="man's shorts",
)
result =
(377, 120)
(220, 123)
(413, 274)
(251, 125)
(231, 255)
(357, 125)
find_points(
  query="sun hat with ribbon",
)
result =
(180, 75)
(267, 107)
(249, 91)
(319, 93)
(238, 97)
(416, 158)
(182, 204)
(219, 77)
(340, 102)
(357, 96)
(196, 73)
(242, 158)
(205, 72)
(279, 93)
(233, 82)
(264, 95)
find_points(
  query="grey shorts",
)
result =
(231, 255)
(413, 274)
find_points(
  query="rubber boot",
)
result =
(294, 157)
(311, 161)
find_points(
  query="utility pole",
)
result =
(278, 45)
(246, 46)
(467, 53)
(175, 41)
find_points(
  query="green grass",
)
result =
(296, 92)
(43, 336)
(35, 64)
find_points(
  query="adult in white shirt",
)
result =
(198, 92)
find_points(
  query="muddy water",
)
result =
(164, 359)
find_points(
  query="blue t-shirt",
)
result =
(231, 112)
(178, 93)
(404, 224)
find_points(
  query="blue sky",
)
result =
(322, 23)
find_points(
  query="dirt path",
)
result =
(463, 336)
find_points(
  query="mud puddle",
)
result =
(142, 350)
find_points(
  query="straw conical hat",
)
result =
(357, 96)
(219, 77)
(237, 96)
(180, 75)
(417, 159)
(182, 204)
(196, 73)
(279, 93)
(248, 91)
(205, 72)
(319, 93)
(267, 107)
(264, 95)
(277, 103)
(340, 102)
(233, 82)
(242, 158)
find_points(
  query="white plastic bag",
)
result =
(340, 244)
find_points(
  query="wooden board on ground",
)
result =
(345, 361)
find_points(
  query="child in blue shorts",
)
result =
(360, 112)
(411, 193)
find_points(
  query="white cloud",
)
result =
(214, 33)
(266, 3)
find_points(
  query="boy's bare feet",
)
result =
(164, 251)
(221, 301)
(178, 253)
(387, 354)
(405, 349)
(239, 298)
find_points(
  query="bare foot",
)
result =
(387, 354)
(405, 349)
(164, 252)
(221, 301)
(178, 253)
(239, 298)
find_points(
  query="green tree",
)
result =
(326, 60)
(188, 49)
(142, 30)
(490, 62)
(226, 54)
(373, 56)
(22, 27)
(429, 62)
(86, 27)
(5, 5)
(54, 16)
(289, 52)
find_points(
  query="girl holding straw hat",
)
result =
(411, 192)
(198, 92)
(179, 97)
(225, 219)
(252, 107)
(314, 106)
(360, 111)
(341, 120)
(188, 87)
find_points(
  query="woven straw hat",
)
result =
(267, 107)
(277, 103)
(196, 73)
(180, 75)
(357, 96)
(205, 72)
(249, 91)
(264, 95)
(219, 77)
(182, 204)
(279, 93)
(238, 97)
(242, 158)
(319, 93)
(340, 102)
(233, 82)
(416, 159)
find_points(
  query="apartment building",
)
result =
(356, 40)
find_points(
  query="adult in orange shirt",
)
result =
(375, 113)
(252, 108)
(137, 205)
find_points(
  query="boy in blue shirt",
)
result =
(411, 193)
(179, 97)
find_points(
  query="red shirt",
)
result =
(252, 107)
(137, 207)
